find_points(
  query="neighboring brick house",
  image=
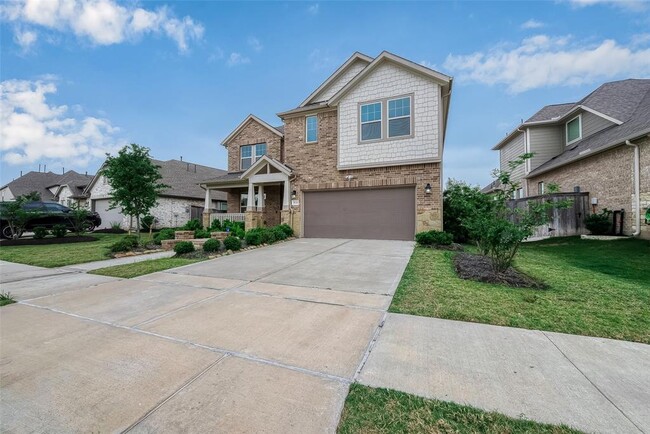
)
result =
(361, 157)
(66, 188)
(599, 145)
(184, 200)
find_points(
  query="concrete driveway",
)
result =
(262, 341)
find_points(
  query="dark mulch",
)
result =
(197, 254)
(46, 241)
(110, 231)
(479, 268)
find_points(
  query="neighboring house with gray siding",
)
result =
(182, 201)
(599, 145)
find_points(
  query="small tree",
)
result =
(500, 229)
(16, 216)
(33, 196)
(134, 181)
(78, 217)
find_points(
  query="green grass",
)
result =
(59, 255)
(128, 271)
(369, 410)
(6, 298)
(596, 288)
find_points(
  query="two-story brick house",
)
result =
(360, 157)
(599, 145)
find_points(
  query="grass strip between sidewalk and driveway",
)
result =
(370, 410)
(595, 288)
(127, 271)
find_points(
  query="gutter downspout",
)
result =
(637, 187)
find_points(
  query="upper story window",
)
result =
(311, 129)
(250, 154)
(371, 121)
(399, 117)
(574, 130)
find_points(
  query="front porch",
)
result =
(261, 195)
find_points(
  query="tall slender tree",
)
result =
(134, 180)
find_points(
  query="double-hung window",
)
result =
(311, 129)
(399, 117)
(251, 153)
(574, 130)
(371, 121)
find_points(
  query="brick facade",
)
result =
(251, 134)
(609, 177)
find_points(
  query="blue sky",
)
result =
(81, 78)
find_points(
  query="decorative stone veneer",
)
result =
(387, 81)
(609, 177)
(252, 134)
(315, 169)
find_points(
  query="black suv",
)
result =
(47, 214)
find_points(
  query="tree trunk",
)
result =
(137, 229)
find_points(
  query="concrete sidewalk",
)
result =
(593, 384)
(96, 265)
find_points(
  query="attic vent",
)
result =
(586, 151)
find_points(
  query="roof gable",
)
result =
(355, 64)
(241, 126)
(265, 159)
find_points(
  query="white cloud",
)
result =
(542, 61)
(532, 24)
(34, 130)
(313, 9)
(25, 39)
(631, 5)
(102, 22)
(255, 43)
(237, 59)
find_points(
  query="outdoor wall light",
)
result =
(293, 194)
(427, 188)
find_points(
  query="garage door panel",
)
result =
(108, 216)
(387, 214)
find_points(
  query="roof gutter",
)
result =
(637, 188)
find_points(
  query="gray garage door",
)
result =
(380, 214)
(108, 215)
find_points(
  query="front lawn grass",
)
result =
(370, 410)
(136, 269)
(595, 288)
(60, 255)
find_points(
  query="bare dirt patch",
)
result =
(479, 268)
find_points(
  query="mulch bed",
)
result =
(479, 268)
(46, 241)
(110, 231)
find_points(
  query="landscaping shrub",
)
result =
(278, 233)
(253, 237)
(201, 233)
(460, 203)
(288, 230)
(117, 227)
(232, 243)
(40, 232)
(434, 238)
(59, 231)
(164, 234)
(216, 225)
(234, 227)
(211, 245)
(599, 224)
(193, 225)
(147, 222)
(125, 244)
(184, 247)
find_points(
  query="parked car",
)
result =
(46, 214)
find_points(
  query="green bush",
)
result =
(233, 226)
(125, 244)
(184, 247)
(288, 231)
(278, 233)
(216, 225)
(201, 233)
(59, 231)
(193, 225)
(147, 222)
(434, 238)
(461, 203)
(164, 234)
(211, 245)
(599, 224)
(232, 243)
(253, 237)
(40, 232)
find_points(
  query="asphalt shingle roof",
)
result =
(184, 178)
(551, 112)
(41, 181)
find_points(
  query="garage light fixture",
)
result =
(427, 188)
(293, 194)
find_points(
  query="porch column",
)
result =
(260, 200)
(287, 195)
(250, 200)
(207, 206)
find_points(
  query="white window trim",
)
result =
(541, 188)
(388, 118)
(306, 129)
(566, 130)
(253, 156)
(381, 121)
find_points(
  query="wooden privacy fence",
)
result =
(563, 222)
